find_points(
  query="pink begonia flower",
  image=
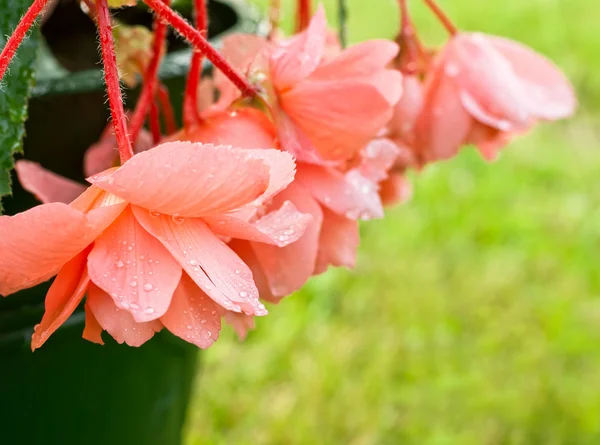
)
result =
(482, 90)
(337, 103)
(334, 198)
(145, 243)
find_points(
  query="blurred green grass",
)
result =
(473, 316)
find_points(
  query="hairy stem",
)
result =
(343, 22)
(111, 75)
(193, 36)
(303, 12)
(190, 99)
(146, 98)
(167, 109)
(9, 50)
(442, 17)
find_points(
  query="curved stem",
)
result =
(111, 75)
(200, 43)
(146, 98)
(303, 12)
(155, 123)
(343, 25)
(167, 109)
(13, 43)
(190, 99)
(442, 17)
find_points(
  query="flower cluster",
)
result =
(283, 151)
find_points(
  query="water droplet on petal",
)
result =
(243, 294)
(178, 219)
(149, 310)
(148, 287)
(133, 283)
(120, 264)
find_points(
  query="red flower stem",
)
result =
(190, 99)
(200, 43)
(9, 50)
(409, 45)
(155, 123)
(167, 108)
(146, 98)
(442, 17)
(274, 17)
(303, 12)
(111, 75)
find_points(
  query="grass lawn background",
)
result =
(473, 316)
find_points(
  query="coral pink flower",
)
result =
(335, 199)
(311, 91)
(482, 90)
(145, 243)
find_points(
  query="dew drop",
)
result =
(154, 214)
(178, 219)
(193, 262)
(148, 287)
(120, 264)
(133, 283)
(149, 310)
(243, 294)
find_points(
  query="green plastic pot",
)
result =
(72, 392)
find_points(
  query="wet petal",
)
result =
(186, 179)
(362, 59)
(549, 92)
(407, 110)
(62, 299)
(92, 330)
(443, 124)
(35, 244)
(215, 268)
(282, 169)
(45, 185)
(338, 243)
(377, 158)
(134, 268)
(288, 268)
(193, 315)
(339, 117)
(296, 58)
(244, 250)
(241, 323)
(279, 227)
(117, 322)
(350, 194)
(295, 142)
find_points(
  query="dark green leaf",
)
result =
(15, 90)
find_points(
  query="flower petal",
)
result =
(215, 268)
(282, 169)
(489, 88)
(45, 185)
(240, 50)
(338, 117)
(362, 59)
(395, 190)
(288, 268)
(350, 194)
(241, 323)
(280, 227)
(35, 244)
(118, 322)
(134, 268)
(551, 95)
(193, 315)
(189, 180)
(407, 110)
(244, 250)
(443, 124)
(377, 158)
(338, 242)
(62, 298)
(92, 330)
(295, 58)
